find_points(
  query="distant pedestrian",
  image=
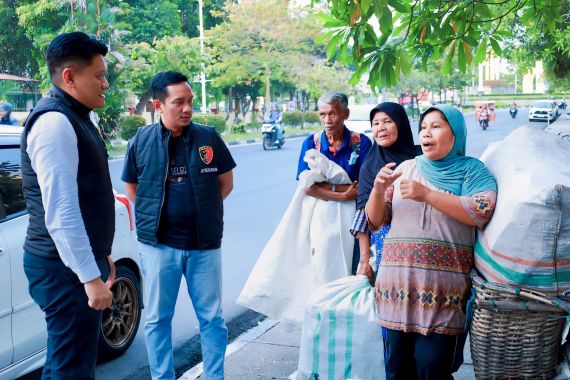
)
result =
(69, 197)
(434, 203)
(178, 173)
(6, 117)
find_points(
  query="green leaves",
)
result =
(449, 60)
(495, 45)
(398, 5)
(365, 5)
(458, 31)
(481, 52)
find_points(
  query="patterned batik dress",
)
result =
(423, 283)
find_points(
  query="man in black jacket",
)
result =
(70, 202)
(178, 173)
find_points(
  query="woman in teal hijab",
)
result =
(434, 203)
(456, 172)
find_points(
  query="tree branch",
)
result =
(409, 24)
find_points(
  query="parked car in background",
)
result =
(359, 118)
(543, 110)
(22, 325)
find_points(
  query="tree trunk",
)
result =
(98, 18)
(229, 101)
(141, 106)
(267, 96)
(253, 117)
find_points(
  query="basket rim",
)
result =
(525, 294)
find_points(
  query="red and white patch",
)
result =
(206, 154)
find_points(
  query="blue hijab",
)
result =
(456, 172)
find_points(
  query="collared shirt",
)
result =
(52, 147)
(342, 156)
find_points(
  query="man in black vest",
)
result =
(70, 202)
(178, 173)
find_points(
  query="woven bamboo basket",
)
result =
(515, 333)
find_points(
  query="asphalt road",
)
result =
(264, 182)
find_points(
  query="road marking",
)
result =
(240, 342)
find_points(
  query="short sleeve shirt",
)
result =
(178, 223)
(342, 157)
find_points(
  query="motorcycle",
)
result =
(269, 132)
(484, 122)
(513, 111)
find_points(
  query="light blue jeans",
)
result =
(163, 268)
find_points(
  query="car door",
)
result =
(6, 345)
(28, 324)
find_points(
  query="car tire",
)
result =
(119, 325)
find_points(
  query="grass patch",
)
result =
(116, 150)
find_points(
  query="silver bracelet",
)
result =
(333, 188)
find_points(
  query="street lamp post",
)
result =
(202, 74)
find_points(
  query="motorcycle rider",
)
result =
(275, 119)
(484, 115)
(513, 110)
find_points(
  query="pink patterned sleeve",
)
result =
(480, 206)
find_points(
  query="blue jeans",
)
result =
(72, 326)
(279, 133)
(163, 268)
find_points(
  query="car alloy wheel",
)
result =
(120, 323)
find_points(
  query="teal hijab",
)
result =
(456, 172)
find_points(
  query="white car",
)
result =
(22, 325)
(544, 110)
(359, 118)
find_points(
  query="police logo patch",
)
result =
(206, 154)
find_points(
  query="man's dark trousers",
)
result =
(73, 327)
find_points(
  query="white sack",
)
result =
(527, 242)
(311, 246)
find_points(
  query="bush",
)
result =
(216, 121)
(292, 118)
(129, 124)
(312, 117)
(238, 128)
(254, 126)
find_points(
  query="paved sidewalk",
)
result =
(272, 352)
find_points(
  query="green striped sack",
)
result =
(341, 338)
(527, 242)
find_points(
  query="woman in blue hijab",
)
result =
(433, 203)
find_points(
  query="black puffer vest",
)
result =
(96, 200)
(151, 154)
